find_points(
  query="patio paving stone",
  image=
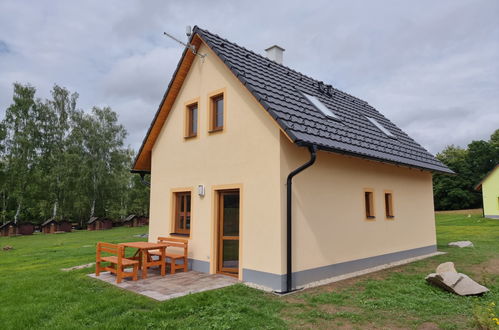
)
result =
(163, 288)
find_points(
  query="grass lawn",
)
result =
(35, 293)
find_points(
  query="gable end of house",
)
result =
(359, 130)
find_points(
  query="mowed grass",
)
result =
(35, 293)
(400, 298)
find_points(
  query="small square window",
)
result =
(182, 216)
(217, 112)
(369, 204)
(191, 120)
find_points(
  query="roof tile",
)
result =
(279, 90)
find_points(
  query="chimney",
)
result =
(274, 53)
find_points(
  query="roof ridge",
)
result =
(196, 28)
(277, 88)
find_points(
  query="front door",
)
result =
(228, 232)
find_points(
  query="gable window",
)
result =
(381, 127)
(191, 129)
(321, 106)
(217, 110)
(369, 203)
(389, 205)
(183, 212)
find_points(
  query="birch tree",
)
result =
(62, 162)
(20, 144)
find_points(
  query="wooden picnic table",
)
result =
(142, 248)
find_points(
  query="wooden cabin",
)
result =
(25, 228)
(52, 226)
(8, 229)
(96, 223)
(134, 220)
(11, 228)
(143, 220)
(130, 221)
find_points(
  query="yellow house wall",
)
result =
(490, 194)
(329, 224)
(252, 154)
(245, 154)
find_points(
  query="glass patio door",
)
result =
(228, 232)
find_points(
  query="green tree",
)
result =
(471, 165)
(21, 147)
(59, 161)
(3, 175)
(56, 128)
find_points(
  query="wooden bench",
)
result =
(173, 242)
(117, 260)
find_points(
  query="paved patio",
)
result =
(162, 288)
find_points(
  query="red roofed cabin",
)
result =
(96, 223)
(51, 226)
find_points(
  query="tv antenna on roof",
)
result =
(188, 33)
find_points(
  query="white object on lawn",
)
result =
(462, 244)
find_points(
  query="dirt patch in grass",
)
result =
(428, 326)
(332, 309)
(484, 270)
(490, 266)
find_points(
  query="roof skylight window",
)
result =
(320, 106)
(381, 127)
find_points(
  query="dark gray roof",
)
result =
(93, 219)
(53, 220)
(8, 223)
(48, 221)
(130, 217)
(279, 90)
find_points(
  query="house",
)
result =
(143, 220)
(490, 193)
(25, 228)
(8, 229)
(51, 226)
(96, 223)
(11, 228)
(277, 178)
(134, 220)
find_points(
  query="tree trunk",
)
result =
(4, 206)
(54, 211)
(92, 209)
(17, 212)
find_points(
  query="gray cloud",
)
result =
(431, 67)
(3, 47)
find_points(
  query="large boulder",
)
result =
(449, 279)
(461, 244)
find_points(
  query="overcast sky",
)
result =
(432, 67)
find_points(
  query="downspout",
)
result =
(289, 183)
